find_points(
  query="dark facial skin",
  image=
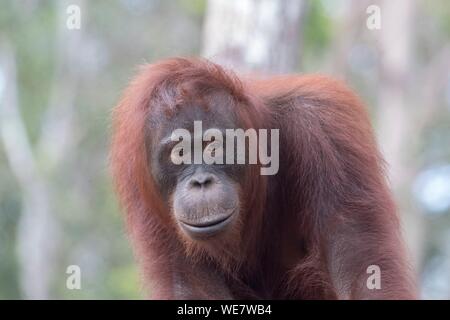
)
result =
(204, 198)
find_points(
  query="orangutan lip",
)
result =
(206, 228)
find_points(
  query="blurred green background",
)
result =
(58, 86)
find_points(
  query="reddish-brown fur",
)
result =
(310, 231)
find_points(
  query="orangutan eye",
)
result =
(214, 147)
(213, 152)
(177, 155)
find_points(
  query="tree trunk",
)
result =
(254, 35)
(395, 114)
(35, 234)
(38, 231)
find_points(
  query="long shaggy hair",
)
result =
(308, 232)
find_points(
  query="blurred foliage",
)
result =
(317, 31)
(9, 216)
(119, 35)
(92, 234)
